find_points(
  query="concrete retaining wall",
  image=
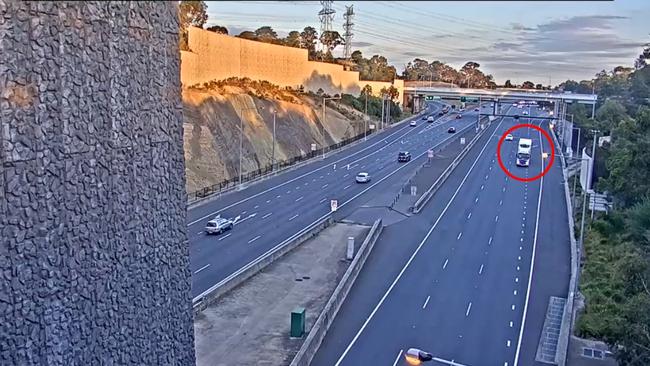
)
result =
(567, 315)
(215, 292)
(94, 256)
(319, 330)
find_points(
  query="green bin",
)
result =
(297, 322)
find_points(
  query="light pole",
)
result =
(273, 153)
(241, 137)
(323, 122)
(591, 173)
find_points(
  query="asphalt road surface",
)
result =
(455, 280)
(273, 210)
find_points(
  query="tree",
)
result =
(218, 29)
(309, 36)
(266, 34)
(392, 93)
(331, 39)
(192, 13)
(367, 90)
(356, 56)
(528, 85)
(508, 84)
(293, 39)
(609, 115)
(644, 58)
(539, 86)
(248, 35)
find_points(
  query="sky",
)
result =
(545, 42)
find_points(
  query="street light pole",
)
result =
(273, 154)
(323, 121)
(591, 173)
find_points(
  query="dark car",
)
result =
(441, 113)
(404, 156)
(459, 116)
(451, 130)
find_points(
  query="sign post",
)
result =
(334, 204)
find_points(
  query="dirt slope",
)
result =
(211, 129)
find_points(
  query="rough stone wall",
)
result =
(218, 56)
(94, 257)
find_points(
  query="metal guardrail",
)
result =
(212, 294)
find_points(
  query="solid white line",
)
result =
(299, 198)
(532, 264)
(469, 307)
(293, 217)
(480, 270)
(255, 238)
(417, 250)
(426, 302)
(399, 355)
(445, 265)
(267, 215)
(201, 269)
(223, 237)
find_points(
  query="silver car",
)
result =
(218, 225)
(362, 177)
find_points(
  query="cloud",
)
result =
(414, 54)
(520, 27)
(360, 44)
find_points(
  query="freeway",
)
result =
(455, 280)
(273, 210)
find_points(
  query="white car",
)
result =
(525, 113)
(413, 124)
(509, 137)
(362, 177)
(218, 225)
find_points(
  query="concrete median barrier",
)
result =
(319, 330)
(429, 193)
(215, 292)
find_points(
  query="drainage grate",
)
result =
(547, 348)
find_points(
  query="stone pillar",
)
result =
(94, 258)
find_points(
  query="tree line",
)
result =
(616, 275)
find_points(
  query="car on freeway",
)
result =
(362, 177)
(218, 225)
(459, 116)
(441, 113)
(525, 113)
(476, 109)
(430, 119)
(403, 156)
(424, 118)
(451, 130)
(509, 137)
(413, 124)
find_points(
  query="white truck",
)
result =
(523, 152)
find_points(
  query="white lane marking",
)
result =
(470, 215)
(521, 248)
(486, 176)
(445, 265)
(399, 355)
(289, 191)
(346, 187)
(417, 250)
(321, 177)
(513, 307)
(500, 202)
(306, 183)
(256, 206)
(519, 258)
(299, 198)
(255, 238)
(514, 292)
(521, 239)
(490, 241)
(482, 186)
(278, 196)
(268, 201)
(426, 302)
(447, 362)
(476, 200)
(345, 176)
(469, 307)
(532, 264)
(517, 268)
(223, 237)
(293, 217)
(511, 324)
(517, 279)
(323, 200)
(244, 212)
(496, 218)
(324, 186)
(504, 189)
(480, 270)
(459, 235)
(267, 215)
(201, 269)
(199, 233)
(508, 344)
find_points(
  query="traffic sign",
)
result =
(334, 204)
(462, 141)
(430, 153)
(371, 126)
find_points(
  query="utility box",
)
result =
(297, 322)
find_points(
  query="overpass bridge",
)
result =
(559, 101)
